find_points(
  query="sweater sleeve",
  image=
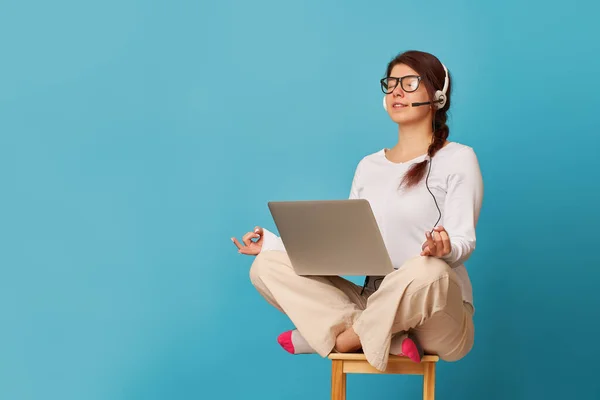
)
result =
(355, 187)
(274, 242)
(462, 207)
(271, 241)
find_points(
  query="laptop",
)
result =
(331, 237)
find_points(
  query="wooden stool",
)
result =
(356, 363)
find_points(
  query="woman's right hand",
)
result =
(250, 247)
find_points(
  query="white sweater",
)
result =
(403, 215)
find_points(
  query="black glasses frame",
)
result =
(384, 83)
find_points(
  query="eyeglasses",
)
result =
(409, 83)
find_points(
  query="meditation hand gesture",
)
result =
(250, 246)
(438, 244)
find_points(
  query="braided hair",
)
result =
(432, 73)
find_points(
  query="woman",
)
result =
(426, 194)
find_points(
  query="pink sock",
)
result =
(406, 345)
(294, 343)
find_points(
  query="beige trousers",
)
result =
(422, 296)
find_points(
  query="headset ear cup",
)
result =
(384, 104)
(439, 99)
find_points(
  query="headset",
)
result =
(439, 101)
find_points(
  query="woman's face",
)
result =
(399, 100)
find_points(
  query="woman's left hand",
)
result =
(438, 244)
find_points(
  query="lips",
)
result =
(399, 105)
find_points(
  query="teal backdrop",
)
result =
(137, 137)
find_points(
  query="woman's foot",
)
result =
(406, 345)
(347, 342)
(294, 343)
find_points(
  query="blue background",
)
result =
(137, 137)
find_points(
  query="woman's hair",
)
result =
(432, 74)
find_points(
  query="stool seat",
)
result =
(356, 363)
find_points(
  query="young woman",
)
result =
(426, 194)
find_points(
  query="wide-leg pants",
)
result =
(422, 296)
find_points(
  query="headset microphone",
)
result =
(420, 104)
(412, 104)
(427, 102)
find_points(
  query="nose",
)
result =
(398, 92)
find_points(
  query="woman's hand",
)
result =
(250, 247)
(438, 244)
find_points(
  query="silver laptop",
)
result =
(331, 237)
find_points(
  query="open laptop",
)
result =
(331, 237)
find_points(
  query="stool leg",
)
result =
(429, 381)
(338, 380)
